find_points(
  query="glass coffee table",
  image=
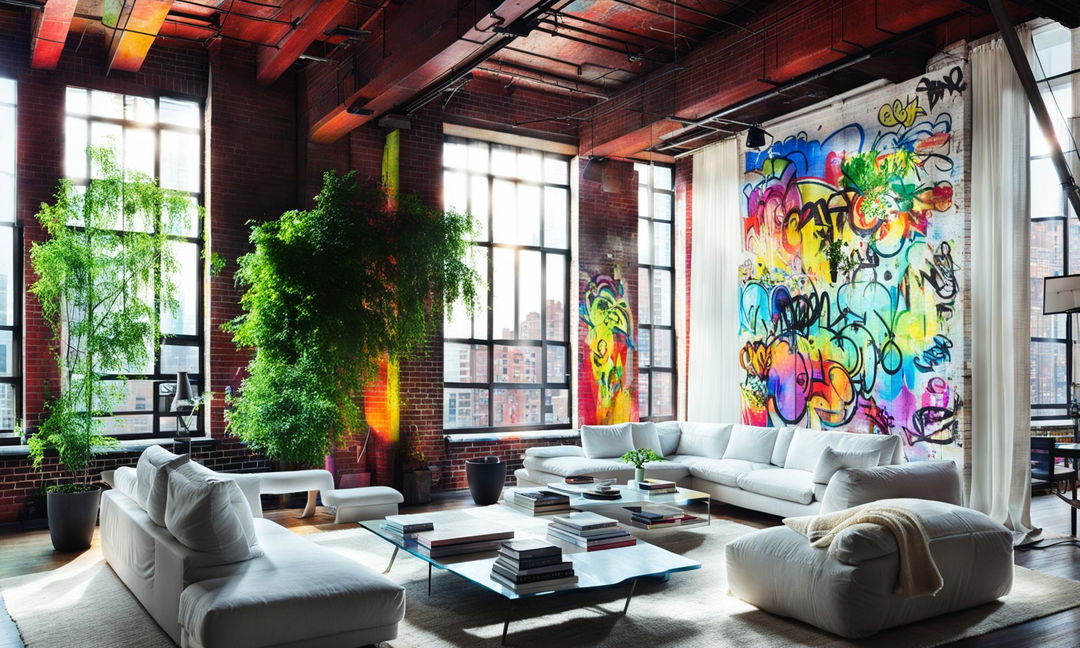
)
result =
(685, 501)
(595, 570)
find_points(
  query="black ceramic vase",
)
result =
(486, 478)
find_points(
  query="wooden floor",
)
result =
(31, 552)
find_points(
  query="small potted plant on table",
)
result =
(639, 457)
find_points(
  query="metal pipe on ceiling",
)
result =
(706, 14)
(550, 83)
(667, 16)
(581, 30)
(595, 23)
(640, 54)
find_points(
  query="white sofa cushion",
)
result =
(152, 479)
(210, 516)
(781, 483)
(575, 466)
(749, 443)
(723, 471)
(929, 480)
(783, 442)
(606, 441)
(644, 435)
(831, 461)
(126, 480)
(298, 594)
(555, 451)
(704, 439)
(669, 434)
(806, 446)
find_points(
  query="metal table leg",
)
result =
(629, 594)
(429, 579)
(506, 622)
(392, 557)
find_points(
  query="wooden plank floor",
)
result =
(31, 552)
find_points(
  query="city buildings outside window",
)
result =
(507, 365)
(10, 270)
(656, 291)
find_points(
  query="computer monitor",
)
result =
(1061, 294)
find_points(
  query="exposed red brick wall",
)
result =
(258, 166)
(684, 196)
(607, 245)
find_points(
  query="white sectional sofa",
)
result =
(283, 591)
(774, 470)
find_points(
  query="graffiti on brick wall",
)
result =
(850, 308)
(607, 393)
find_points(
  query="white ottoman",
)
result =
(367, 503)
(296, 481)
(855, 596)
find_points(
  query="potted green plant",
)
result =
(415, 474)
(107, 254)
(329, 292)
(639, 457)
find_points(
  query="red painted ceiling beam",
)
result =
(732, 67)
(49, 32)
(422, 46)
(272, 63)
(134, 27)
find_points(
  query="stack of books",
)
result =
(460, 538)
(532, 566)
(590, 531)
(408, 526)
(657, 486)
(659, 517)
(580, 479)
(540, 502)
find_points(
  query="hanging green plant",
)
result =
(329, 291)
(107, 254)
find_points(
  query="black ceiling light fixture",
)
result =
(755, 136)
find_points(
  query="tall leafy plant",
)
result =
(329, 291)
(106, 257)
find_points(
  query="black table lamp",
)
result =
(183, 405)
(1061, 295)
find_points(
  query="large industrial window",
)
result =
(161, 137)
(507, 366)
(10, 270)
(656, 292)
(1054, 229)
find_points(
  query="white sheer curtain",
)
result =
(716, 251)
(1000, 293)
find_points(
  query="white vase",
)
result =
(639, 475)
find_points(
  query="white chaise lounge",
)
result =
(286, 591)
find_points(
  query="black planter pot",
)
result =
(416, 486)
(72, 518)
(486, 479)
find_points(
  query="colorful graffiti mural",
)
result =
(607, 393)
(850, 305)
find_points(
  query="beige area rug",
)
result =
(84, 605)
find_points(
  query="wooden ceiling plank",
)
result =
(49, 32)
(133, 27)
(424, 47)
(272, 63)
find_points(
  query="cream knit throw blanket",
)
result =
(919, 576)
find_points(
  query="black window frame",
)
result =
(490, 342)
(647, 218)
(15, 379)
(162, 384)
(1042, 412)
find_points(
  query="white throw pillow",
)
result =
(704, 439)
(152, 480)
(645, 435)
(831, 461)
(210, 515)
(805, 448)
(783, 442)
(669, 434)
(606, 441)
(751, 443)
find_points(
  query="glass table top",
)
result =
(594, 569)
